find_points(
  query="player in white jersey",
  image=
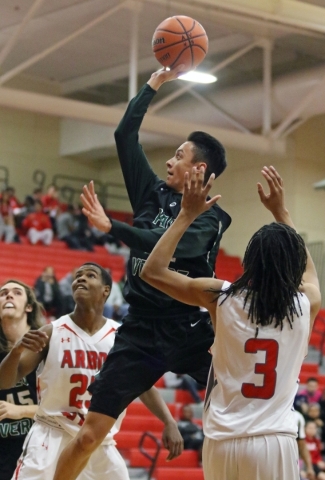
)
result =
(70, 351)
(262, 324)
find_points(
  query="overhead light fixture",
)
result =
(198, 77)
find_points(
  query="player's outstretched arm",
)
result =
(25, 356)
(172, 439)
(155, 271)
(275, 202)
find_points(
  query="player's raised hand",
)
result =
(194, 201)
(172, 441)
(93, 209)
(274, 200)
(164, 75)
(34, 340)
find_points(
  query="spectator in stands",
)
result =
(304, 454)
(191, 432)
(38, 226)
(311, 394)
(13, 201)
(314, 415)
(183, 382)
(115, 307)
(65, 285)
(83, 231)
(66, 228)
(314, 447)
(47, 292)
(38, 193)
(7, 221)
(51, 204)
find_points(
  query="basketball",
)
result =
(180, 40)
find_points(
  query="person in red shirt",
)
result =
(314, 447)
(38, 226)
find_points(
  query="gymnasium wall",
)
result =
(302, 166)
(30, 141)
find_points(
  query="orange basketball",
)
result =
(180, 40)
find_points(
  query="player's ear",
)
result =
(28, 308)
(107, 291)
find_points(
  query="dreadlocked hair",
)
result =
(274, 262)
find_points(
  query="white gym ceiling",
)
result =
(269, 57)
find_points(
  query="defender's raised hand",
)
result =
(93, 209)
(194, 201)
(274, 200)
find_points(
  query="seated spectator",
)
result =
(47, 292)
(83, 231)
(51, 204)
(115, 307)
(314, 447)
(311, 394)
(66, 228)
(191, 432)
(183, 382)
(7, 231)
(38, 193)
(307, 472)
(65, 285)
(38, 226)
(314, 415)
(13, 202)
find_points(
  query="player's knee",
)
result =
(87, 441)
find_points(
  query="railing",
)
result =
(70, 188)
(152, 458)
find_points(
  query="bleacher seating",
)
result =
(26, 262)
(138, 420)
(228, 267)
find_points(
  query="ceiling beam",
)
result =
(66, 108)
(221, 45)
(44, 53)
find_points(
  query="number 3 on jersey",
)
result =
(268, 369)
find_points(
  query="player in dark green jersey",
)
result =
(159, 334)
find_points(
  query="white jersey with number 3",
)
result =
(254, 378)
(74, 357)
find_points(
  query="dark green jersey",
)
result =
(155, 206)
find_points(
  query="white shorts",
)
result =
(41, 451)
(269, 457)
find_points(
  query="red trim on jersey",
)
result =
(110, 331)
(69, 328)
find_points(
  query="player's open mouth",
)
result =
(9, 305)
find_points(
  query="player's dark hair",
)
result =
(209, 150)
(274, 263)
(34, 318)
(106, 277)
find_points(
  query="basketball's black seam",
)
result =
(180, 41)
(198, 46)
(189, 41)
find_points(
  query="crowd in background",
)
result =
(42, 217)
(310, 402)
